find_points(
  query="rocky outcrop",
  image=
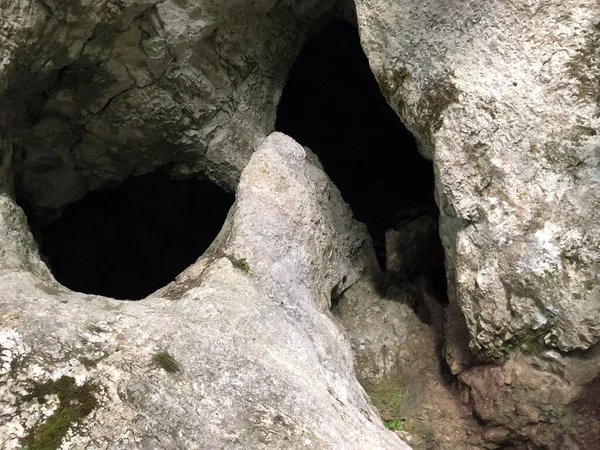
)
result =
(499, 101)
(397, 361)
(239, 352)
(504, 99)
(548, 400)
(537, 399)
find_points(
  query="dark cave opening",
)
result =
(332, 104)
(130, 241)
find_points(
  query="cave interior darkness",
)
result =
(130, 241)
(332, 104)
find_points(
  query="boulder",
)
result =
(503, 98)
(240, 351)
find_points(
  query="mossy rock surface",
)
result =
(240, 264)
(437, 95)
(583, 66)
(391, 80)
(436, 98)
(75, 404)
(165, 361)
(530, 342)
(388, 398)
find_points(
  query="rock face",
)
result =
(504, 99)
(548, 400)
(93, 92)
(396, 360)
(239, 352)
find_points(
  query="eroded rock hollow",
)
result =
(130, 241)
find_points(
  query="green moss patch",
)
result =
(240, 264)
(583, 66)
(589, 285)
(388, 398)
(531, 342)
(438, 96)
(75, 404)
(395, 424)
(165, 361)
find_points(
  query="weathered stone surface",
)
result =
(503, 98)
(397, 361)
(239, 352)
(97, 91)
(550, 399)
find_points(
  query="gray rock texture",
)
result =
(504, 99)
(537, 398)
(240, 351)
(548, 400)
(397, 361)
(93, 92)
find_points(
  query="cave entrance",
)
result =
(128, 242)
(332, 104)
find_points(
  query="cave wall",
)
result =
(128, 242)
(507, 108)
(238, 352)
(332, 104)
(93, 92)
(504, 99)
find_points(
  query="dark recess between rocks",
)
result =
(128, 242)
(333, 105)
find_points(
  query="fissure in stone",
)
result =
(332, 104)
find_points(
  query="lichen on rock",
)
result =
(583, 67)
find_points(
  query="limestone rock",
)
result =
(504, 100)
(93, 92)
(397, 361)
(549, 399)
(239, 352)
